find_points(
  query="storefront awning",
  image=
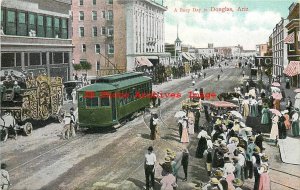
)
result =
(186, 56)
(141, 61)
(292, 69)
(290, 39)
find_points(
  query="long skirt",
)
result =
(295, 129)
(264, 182)
(229, 179)
(274, 131)
(191, 128)
(185, 135)
(202, 146)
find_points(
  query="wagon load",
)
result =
(28, 97)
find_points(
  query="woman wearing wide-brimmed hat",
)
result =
(229, 171)
(264, 180)
(185, 134)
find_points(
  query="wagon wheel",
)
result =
(27, 128)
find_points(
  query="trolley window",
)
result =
(92, 102)
(104, 101)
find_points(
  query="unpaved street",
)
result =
(108, 159)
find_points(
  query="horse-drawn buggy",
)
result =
(27, 98)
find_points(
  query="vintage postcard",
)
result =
(150, 94)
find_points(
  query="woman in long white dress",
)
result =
(297, 101)
(274, 131)
(191, 122)
(185, 134)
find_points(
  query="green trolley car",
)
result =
(111, 99)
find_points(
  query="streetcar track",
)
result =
(40, 155)
(280, 171)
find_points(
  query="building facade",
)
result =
(293, 45)
(261, 49)
(279, 48)
(144, 33)
(35, 37)
(93, 35)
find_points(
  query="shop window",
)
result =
(57, 27)
(11, 28)
(3, 19)
(34, 59)
(22, 26)
(26, 62)
(92, 102)
(64, 28)
(18, 60)
(58, 57)
(66, 57)
(104, 101)
(40, 28)
(44, 58)
(7, 60)
(31, 22)
(49, 28)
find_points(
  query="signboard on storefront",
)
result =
(265, 61)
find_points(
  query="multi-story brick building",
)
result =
(142, 35)
(279, 48)
(93, 35)
(35, 37)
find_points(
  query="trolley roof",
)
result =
(110, 83)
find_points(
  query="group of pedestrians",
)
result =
(69, 124)
(173, 161)
(233, 154)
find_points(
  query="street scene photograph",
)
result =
(150, 95)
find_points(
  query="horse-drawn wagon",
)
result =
(25, 98)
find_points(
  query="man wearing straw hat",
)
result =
(249, 154)
(237, 183)
(166, 166)
(214, 184)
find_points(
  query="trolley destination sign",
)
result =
(107, 94)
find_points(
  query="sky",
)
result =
(246, 28)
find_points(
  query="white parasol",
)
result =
(180, 114)
(237, 114)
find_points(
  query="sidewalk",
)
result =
(289, 154)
